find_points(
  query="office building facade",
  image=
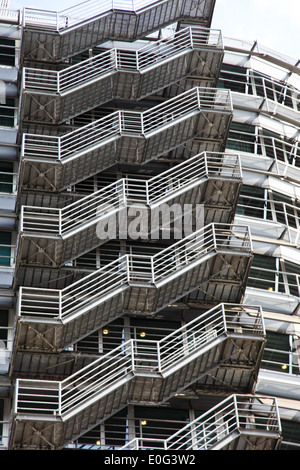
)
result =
(149, 232)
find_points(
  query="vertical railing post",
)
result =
(60, 305)
(23, 145)
(236, 412)
(152, 270)
(147, 193)
(116, 58)
(16, 395)
(58, 82)
(277, 415)
(158, 356)
(132, 355)
(60, 398)
(249, 238)
(214, 236)
(19, 301)
(224, 318)
(22, 219)
(60, 221)
(191, 38)
(240, 166)
(124, 190)
(121, 117)
(265, 93)
(24, 17)
(24, 78)
(142, 124)
(198, 98)
(127, 268)
(205, 163)
(59, 148)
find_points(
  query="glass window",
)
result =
(1, 420)
(3, 327)
(241, 138)
(290, 435)
(276, 146)
(286, 210)
(7, 113)
(263, 273)
(293, 277)
(251, 202)
(6, 177)
(152, 329)
(7, 52)
(276, 352)
(5, 248)
(116, 430)
(158, 423)
(233, 78)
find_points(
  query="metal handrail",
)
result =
(76, 299)
(108, 372)
(280, 281)
(257, 85)
(243, 413)
(84, 11)
(114, 197)
(271, 210)
(138, 124)
(254, 48)
(97, 67)
(287, 362)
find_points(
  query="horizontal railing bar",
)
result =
(109, 368)
(85, 11)
(115, 59)
(114, 196)
(158, 267)
(153, 120)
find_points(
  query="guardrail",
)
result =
(287, 362)
(255, 84)
(113, 126)
(146, 270)
(86, 10)
(111, 370)
(269, 210)
(99, 66)
(286, 154)
(243, 413)
(274, 281)
(126, 191)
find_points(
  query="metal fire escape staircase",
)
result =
(53, 237)
(240, 422)
(226, 342)
(54, 36)
(53, 97)
(54, 163)
(52, 319)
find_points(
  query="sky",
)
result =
(273, 23)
